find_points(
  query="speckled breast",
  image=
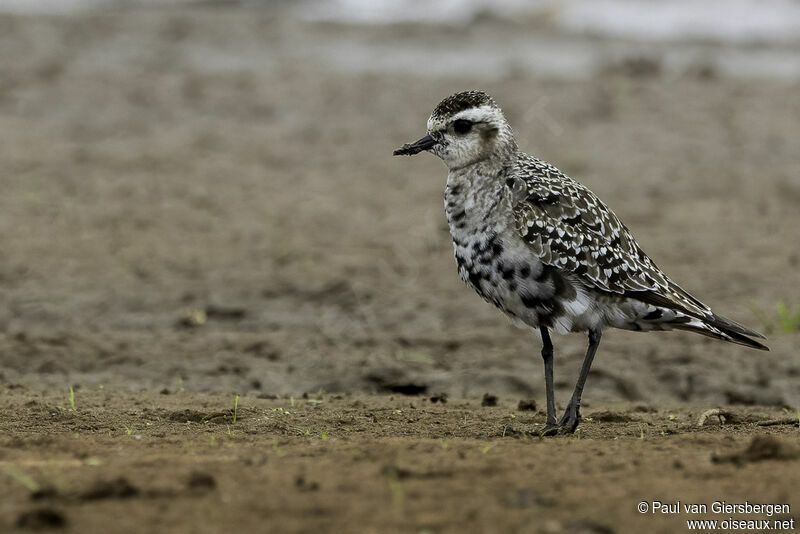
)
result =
(495, 261)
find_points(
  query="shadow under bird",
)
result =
(545, 250)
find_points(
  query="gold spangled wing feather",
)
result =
(569, 228)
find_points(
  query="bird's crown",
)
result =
(461, 101)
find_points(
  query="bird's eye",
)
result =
(462, 126)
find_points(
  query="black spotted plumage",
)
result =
(569, 228)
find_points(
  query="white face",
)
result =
(470, 136)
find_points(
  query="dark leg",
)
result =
(547, 355)
(569, 422)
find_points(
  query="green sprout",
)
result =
(21, 477)
(235, 415)
(785, 321)
(72, 398)
(395, 487)
(789, 322)
(235, 408)
(415, 357)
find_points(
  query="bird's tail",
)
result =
(719, 327)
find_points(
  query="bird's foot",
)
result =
(565, 425)
(551, 428)
(569, 421)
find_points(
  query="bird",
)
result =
(545, 250)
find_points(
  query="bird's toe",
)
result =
(549, 429)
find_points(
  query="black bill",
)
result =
(409, 149)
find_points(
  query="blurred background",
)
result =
(201, 195)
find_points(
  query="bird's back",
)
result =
(544, 249)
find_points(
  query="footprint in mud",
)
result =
(41, 519)
(119, 488)
(760, 448)
(393, 380)
(302, 484)
(489, 400)
(47, 492)
(201, 481)
(439, 397)
(607, 416)
(392, 471)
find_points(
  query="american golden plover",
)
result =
(544, 249)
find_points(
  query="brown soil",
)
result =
(137, 462)
(195, 204)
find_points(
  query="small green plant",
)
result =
(415, 357)
(21, 477)
(395, 487)
(486, 448)
(785, 321)
(71, 398)
(323, 436)
(235, 415)
(788, 321)
(276, 449)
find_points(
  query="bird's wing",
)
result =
(569, 228)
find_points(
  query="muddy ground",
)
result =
(198, 203)
(120, 461)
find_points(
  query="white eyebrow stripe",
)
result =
(481, 114)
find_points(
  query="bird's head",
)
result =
(464, 129)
